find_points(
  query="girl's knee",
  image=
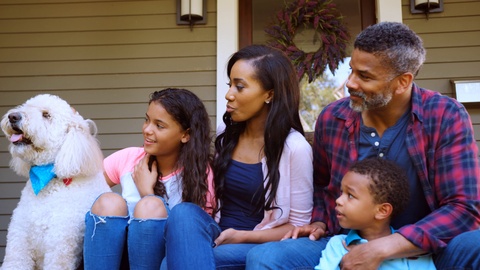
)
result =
(185, 209)
(150, 207)
(186, 213)
(110, 204)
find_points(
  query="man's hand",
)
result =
(314, 231)
(370, 255)
(361, 256)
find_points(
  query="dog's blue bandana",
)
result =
(40, 176)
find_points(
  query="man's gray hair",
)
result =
(396, 44)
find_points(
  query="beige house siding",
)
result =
(452, 39)
(104, 58)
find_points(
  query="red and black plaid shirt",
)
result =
(443, 149)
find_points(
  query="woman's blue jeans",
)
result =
(105, 239)
(190, 233)
(295, 254)
(291, 254)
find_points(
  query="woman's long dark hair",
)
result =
(274, 71)
(194, 159)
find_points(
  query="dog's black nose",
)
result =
(14, 117)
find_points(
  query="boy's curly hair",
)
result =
(388, 182)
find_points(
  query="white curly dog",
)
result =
(55, 148)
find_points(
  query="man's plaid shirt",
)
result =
(441, 143)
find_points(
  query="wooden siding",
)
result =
(104, 57)
(452, 40)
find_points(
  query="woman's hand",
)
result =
(144, 178)
(314, 231)
(229, 236)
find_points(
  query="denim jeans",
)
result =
(190, 234)
(105, 239)
(462, 253)
(291, 254)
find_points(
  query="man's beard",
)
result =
(369, 103)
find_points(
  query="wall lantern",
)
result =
(191, 12)
(426, 6)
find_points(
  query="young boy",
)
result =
(373, 191)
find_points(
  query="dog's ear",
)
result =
(80, 154)
(92, 127)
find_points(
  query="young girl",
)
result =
(263, 169)
(171, 167)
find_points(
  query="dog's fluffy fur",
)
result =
(46, 230)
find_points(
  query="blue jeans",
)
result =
(291, 254)
(303, 253)
(105, 239)
(461, 253)
(190, 234)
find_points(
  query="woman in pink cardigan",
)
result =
(262, 169)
